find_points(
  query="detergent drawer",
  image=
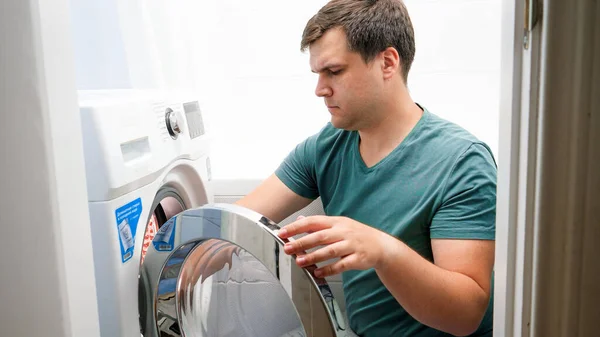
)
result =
(220, 271)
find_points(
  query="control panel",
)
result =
(169, 119)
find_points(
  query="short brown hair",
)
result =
(371, 26)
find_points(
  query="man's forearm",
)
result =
(442, 299)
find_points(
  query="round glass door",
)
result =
(226, 275)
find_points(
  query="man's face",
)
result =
(350, 88)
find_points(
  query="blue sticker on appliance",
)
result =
(128, 217)
(164, 240)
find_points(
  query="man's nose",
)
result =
(323, 88)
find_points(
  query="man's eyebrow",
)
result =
(328, 66)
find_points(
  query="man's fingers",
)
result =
(338, 267)
(320, 238)
(306, 225)
(334, 250)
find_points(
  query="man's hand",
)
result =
(357, 245)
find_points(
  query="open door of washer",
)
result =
(220, 271)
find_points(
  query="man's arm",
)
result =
(273, 199)
(451, 294)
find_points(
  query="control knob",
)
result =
(172, 124)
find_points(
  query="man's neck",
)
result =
(383, 136)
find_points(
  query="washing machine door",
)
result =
(220, 271)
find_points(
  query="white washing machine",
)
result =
(147, 159)
(170, 262)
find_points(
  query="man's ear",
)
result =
(391, 62)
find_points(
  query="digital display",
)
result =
(194, 120)
(190, 107)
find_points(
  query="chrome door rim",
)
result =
(235, 226)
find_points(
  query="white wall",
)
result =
(257, 85)
(456, 72)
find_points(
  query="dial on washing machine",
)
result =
(220, 271)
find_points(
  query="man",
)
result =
(410, 198)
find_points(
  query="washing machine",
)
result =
(168, 260)
(147, 159)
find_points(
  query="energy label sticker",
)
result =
(128, 217)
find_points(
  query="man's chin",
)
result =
(341, 124)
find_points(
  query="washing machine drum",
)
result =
(220, 271)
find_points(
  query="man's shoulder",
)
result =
(445, 130)
(440, 135)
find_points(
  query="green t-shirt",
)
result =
(440, 182)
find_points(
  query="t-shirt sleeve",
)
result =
(468, 209)
(298, 170)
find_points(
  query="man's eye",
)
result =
(337, 72)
